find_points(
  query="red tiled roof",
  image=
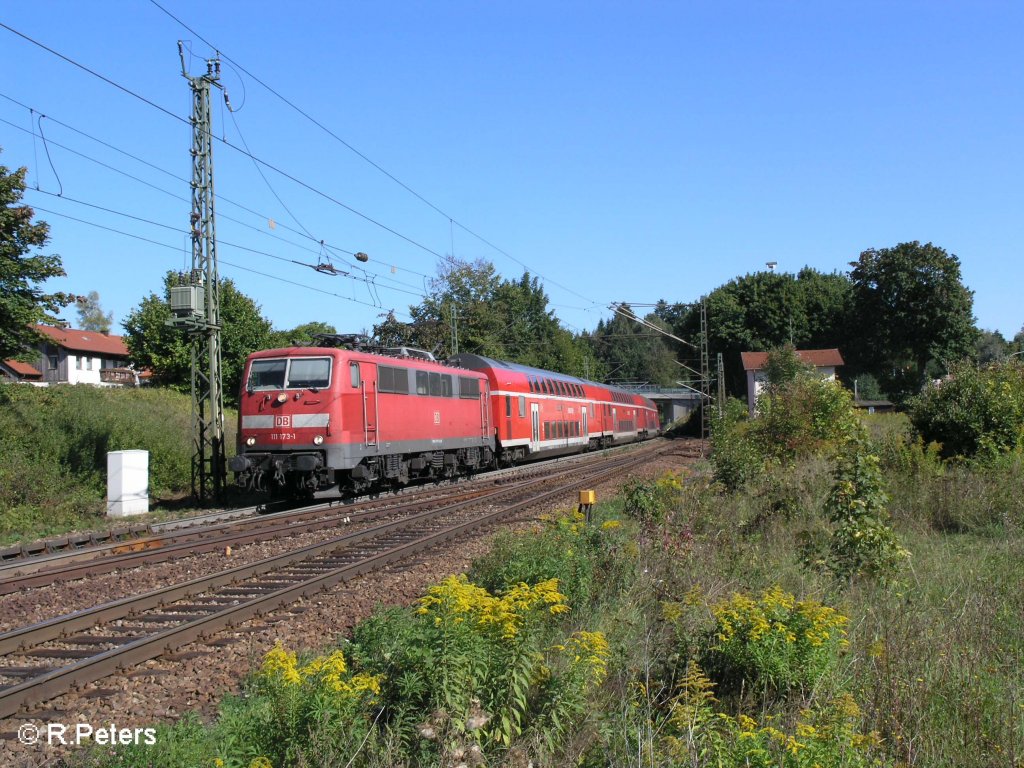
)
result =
(819, 358)
(85, 341)
(24, 369)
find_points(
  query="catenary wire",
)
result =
(184, 232)
(399, 182)
(236, 148)
(186, 200)
(227, 263)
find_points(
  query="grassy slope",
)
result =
(55, 441)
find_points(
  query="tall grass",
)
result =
(55, 442)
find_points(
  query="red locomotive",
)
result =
(359, 417)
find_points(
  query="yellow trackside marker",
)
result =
(587, 501)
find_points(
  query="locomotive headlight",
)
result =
(283, 397)
(318, 440)
(251, 441)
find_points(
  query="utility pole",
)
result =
(705, 374)
(721, 386)
(455, 331)
(196, 305)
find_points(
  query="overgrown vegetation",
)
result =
(686, 625)
(977, 412)
(55, 443)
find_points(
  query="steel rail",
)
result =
(160, 535)
(80, 564)
(95, 667)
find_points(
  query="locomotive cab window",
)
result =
(309, 373)
(291, 373)
(353, 373)
(267, 374)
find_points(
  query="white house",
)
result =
(824, 360)
(69, 356)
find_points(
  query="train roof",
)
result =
(467, 360)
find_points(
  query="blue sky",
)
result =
(621, 151)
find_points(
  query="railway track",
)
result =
(46, 659)
(196, 538)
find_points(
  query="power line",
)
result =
(290, 176)
(451, 220)
(180, 197)
(219, 241)
(177, 249)
(226, 143)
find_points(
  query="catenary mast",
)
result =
(196, 305)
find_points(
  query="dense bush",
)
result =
(735, 448)
(804, 415)
(976, 412)
(863, 542)
(799, 414)
(774, 642)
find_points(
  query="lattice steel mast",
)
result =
(705, 374)
(196, 306)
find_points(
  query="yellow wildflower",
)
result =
(281, 664)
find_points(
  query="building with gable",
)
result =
(825, 361)
(69, 356)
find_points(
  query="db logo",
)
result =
(282, 421)
(437, 417)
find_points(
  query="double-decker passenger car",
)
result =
(314, 417)
(538, 413)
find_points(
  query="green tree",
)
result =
(990, 347)
(912, 308)
(155, 345)
(300, 334)
(503, 319)
(91, 316)
(633, 352)
(763, 310)
(22, 300)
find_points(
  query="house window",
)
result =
(78, 362)
(88, 363)
(53, 362)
